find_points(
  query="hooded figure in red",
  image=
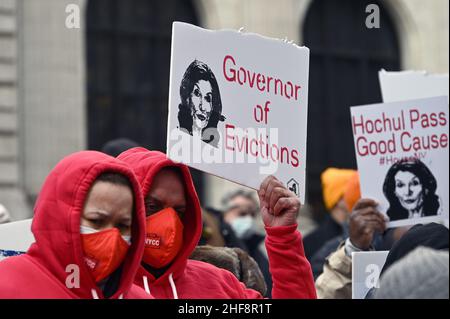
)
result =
(190, 279)
(55, 265)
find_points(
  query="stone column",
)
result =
(52, 90)
(11, 194)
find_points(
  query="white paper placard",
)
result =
(238, 106)
(410, 85)
(366, 269)
(15, 238)
(403, 158)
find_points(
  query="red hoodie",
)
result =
(189, 279)
(41, 272)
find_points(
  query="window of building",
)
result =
(128, 66)
(345, 59)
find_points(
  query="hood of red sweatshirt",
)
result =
(146, 164)
(56, 222)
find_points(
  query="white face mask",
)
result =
(89, 230)
(241, 225)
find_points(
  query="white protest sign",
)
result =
(15, 238)
(238, 106)
(409, 85)
(402, 155)
(366, 269)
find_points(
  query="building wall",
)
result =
(424, 30)
(52, 94)
(42, 96)
(11, 194)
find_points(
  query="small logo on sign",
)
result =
(373, 272)
(153, 241)
(293, 186)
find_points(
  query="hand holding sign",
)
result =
(279, 206)
(365, 220)
(402, 155)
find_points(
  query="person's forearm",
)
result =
(291, 272)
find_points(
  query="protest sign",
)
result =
(402, 155)
(15, 238)
(410, 85)
(366, 269)
(238, 106)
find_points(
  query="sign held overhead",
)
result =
(238, 106)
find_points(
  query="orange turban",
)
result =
(334, 184)
(353, 192)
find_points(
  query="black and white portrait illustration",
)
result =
(410, 189)
(200, 109)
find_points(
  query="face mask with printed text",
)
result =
(104, 250)
(164, 238)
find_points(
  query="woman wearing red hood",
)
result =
(174, 226)
(89, 231)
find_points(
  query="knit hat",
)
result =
(432, 235)
(352, 192)
(334, 184)
(117, 146)
(422, 274)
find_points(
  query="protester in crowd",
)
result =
(226, 231)
(235, 260)
(380, 241)
(410, 188)
(219, 234)
(174, 228)
(240, 210)
(334, 183)
(336, 282)
(422, 274)
(117, 146)
(4, 215)
(89, 234)
(351, 195)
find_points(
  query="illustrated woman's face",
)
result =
(201, 104)
(408, 190)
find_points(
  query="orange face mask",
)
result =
(164, 238)
(104, 251)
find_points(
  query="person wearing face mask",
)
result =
(174, 227)
(88, 228)
(240, 210)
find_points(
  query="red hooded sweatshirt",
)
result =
(189, 279)
(50, 262)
